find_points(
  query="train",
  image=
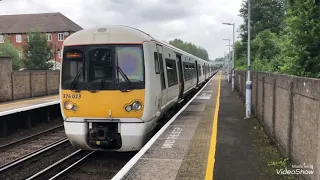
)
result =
(117, 82)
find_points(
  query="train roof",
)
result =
(117, 34)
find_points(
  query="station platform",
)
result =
(23, 105)
(11, 107)
(208, 140)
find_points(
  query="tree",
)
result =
(303, 30)
(285, 37)
(7, 49)
(265, 14)
(37, 52)
(190, 48)
(220, 59)
(267, 23)
(265, 46)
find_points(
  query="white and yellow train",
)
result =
(118, 81)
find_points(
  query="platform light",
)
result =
(249, 82)
(233, 57)
(228, 60)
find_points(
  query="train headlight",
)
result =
(75, 108)
(136, 105)
(68, 105)
(128, 108)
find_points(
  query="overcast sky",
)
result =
(196, 21)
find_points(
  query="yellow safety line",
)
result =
(29, 100)
(213, 142)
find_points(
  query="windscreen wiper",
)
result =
(78, 75)
(103, 80)
(125, 77)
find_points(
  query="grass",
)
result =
(269, 155)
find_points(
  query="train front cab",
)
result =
(99, 112)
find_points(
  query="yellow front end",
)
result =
(105, 120)
(102, 104)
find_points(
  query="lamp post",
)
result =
(55, 63)
(228, 60)
(249, 82)
(56, 51)
(233, 49)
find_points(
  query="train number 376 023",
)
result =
(72, 96)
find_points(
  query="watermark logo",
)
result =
(297, 169)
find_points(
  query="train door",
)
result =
(180, 74)
(197, 71)
(207, 72)
(204, 71)
(200, 72)
(164, 90)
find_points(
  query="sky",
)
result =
(195, 21)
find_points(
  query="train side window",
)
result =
(156, 63)
(187, 72)
(171, 72)
(191, 71)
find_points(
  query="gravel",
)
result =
(18, 151)
(37, 163)
(100, 165)
(22, 133)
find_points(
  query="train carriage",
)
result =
(118, 81)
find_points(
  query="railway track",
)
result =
(32, 137)
(35, 162)
(86, 165)
(62, 166)
(27, 156)
(23, 147)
